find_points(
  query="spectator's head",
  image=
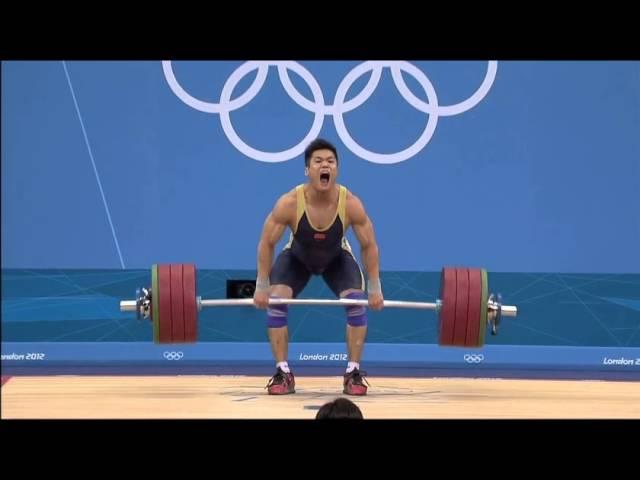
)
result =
(339, 408)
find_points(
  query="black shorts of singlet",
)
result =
(343, 273)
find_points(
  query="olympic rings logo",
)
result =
(173, 355)
(473, 357)
(340, 105)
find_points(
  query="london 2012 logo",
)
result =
(336, 110)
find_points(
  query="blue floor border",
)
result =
(505, 361)
(267, 371)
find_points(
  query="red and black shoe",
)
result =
(281, 383)
(354, 383)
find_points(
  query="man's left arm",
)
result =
(363, 229)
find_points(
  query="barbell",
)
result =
(465, 307)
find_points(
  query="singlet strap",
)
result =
(300, 204)
(342, 204)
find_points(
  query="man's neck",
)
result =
(319, 198)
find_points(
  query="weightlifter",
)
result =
(318, 213)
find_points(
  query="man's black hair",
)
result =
(318, 144)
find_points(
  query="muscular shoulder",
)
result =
(284, 210)
(355, 209)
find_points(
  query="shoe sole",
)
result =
(283, 393)
(354, 394)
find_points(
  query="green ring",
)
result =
(155, 309)
(483, 307)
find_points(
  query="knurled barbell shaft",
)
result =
(310, 301)
(507, 310)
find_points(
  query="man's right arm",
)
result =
(274, 226)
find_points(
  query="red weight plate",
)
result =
(462, 303)
(473, 309)
(164, 303)
(190, 305)
(177, 305)
(448, 308)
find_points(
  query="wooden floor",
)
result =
(244, 397)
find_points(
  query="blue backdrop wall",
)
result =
(513, 166)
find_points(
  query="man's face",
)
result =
(322, 170)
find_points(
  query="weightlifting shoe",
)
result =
(354, 383)
(281, 383)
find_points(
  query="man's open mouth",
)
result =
(324, 178)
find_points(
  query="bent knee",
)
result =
(356, 314)
(277, 315)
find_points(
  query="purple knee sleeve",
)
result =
(356, 314)
(277, 315)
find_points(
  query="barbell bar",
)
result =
(465, 308)
(507, 310)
